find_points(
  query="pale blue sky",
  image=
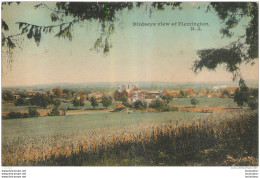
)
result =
(138, 53)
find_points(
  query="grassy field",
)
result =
(51, 126)
(173, 138)
(210, 102)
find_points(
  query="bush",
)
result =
(54, 112)
(139, 105)
(253, 103)
(159, 105)
(13, 115)
(125, 101)
(33, 113)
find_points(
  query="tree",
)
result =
(67, 14)
(7, 96)
(106, 101)
(82, 101)
(138, 104)
(56, 102)
(68, 96)
(20, 102)
(182, 94)
(93, 102)
(242, 50)
(76, 102)
(253, 98)
(41, 100)
(241, 94)
(167, 98)
(57, 91)
(125, 101)
(226, 92)
(194, 102)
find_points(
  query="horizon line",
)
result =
(67, 83)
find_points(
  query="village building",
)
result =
(153, 94)
(132, 92)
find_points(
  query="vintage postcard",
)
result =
(129, 84)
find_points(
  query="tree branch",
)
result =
(43, 4)
(50, 26)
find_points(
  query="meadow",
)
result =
(121, 139)
(204, 101)
(15, 129)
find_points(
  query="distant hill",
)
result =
(140, 84)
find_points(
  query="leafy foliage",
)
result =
(94, 102)
(125, 101)
(241, 94)
(54, 112)
(140, 105)
(41, 100)
(159, 105)
(232, 13)
(7, 96)
(194, 102)
(103, 12)
(167, 98)
(33, 112)
(106, 101)
(21, 102)
(245, 49)
(76, 102)
(211, 58)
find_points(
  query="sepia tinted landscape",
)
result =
(129, 84)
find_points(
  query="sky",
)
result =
(138, 53)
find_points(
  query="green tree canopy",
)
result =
(194, 102)
(167, 98)
(94, 102)
(106, 101)
(76, 102)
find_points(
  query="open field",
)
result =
(51, 126)
(203, 101)
(173, 138)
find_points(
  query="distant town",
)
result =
(57, 101)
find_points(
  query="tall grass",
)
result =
(229, 138)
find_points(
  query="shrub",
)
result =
(54, 112)
(125, 101)
(33, 113)
(13, 115)
(159, 105)
(253, 103)
(139, 105)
